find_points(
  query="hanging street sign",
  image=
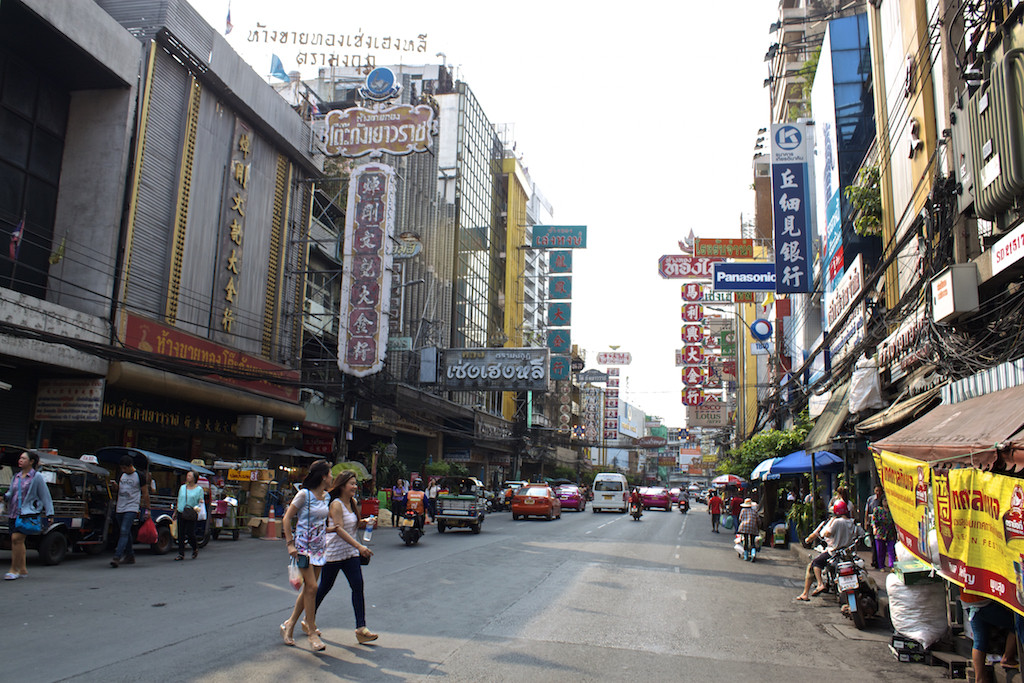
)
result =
(560, 236)
(673, 266)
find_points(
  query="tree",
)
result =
(771, 443)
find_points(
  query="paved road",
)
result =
(589, 597)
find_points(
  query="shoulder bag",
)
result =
(30, 525)
(189, 514)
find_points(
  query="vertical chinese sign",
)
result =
(366, 282)
(791, 150)
(370, 243)
(229, 271)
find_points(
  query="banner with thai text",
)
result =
(906, 488)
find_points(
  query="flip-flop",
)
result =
(799, 599)
(817, 592)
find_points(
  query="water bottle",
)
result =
(371, 522)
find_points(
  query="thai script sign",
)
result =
(163, 340)
(366, 280)
(593, 377)
(510, 369)
(847, 290)
(674, 266)
(697, 292)
(791, 150)
(614, 358)
(402, 129)
(562, 236)
(70, 400)
(744, 277)
(323, 48)
(967, 522)
(902, 349)
(651, 442)
(724, 248)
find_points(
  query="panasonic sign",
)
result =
(744, 277)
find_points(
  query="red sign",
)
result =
(693, 376)
(836, 265)
(673, 266)
(162, 340)
(693, 313)
(617, 358)
(693, 397)
(693, 292)
(693, 355)
(651, 442)
(693, 334)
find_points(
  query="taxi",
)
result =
(571, 497)
(656, 497)
(536, 500)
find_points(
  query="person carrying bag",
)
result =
(186, 513)
(27, 500)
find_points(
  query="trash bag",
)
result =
(865, 387)
(728, 521)
(917, 611)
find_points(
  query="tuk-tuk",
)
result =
(459, 504)
(78, 490)
(165, 475)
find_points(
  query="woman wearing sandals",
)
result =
(344, 551)
(27, 495)
(186, 513)
(307, 545)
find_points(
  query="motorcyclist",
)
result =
(635, 499)
(416, 502)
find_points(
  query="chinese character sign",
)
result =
(560, 314)
(790, 208)
(366, 281)
(560, 287)
(559, 341)
(560, 262)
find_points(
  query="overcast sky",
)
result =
(637, 120)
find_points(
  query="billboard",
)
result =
(560, 236)
(674, 266)
(744, 277)
(512, 369)
(724, 248)
(398, 130)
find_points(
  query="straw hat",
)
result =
(747, 503)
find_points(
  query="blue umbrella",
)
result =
(764, 467)
(799, 462)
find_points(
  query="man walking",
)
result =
(132, 497)
(715, 510)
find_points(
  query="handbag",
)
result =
(147, 532)
(189, 514)
(173, 528)
(30, 525)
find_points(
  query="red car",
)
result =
(572, 497)
(536, 500)
(656, 497)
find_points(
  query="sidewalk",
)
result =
(806, 554)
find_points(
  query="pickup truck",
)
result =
(459, 503)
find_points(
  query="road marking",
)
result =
(676, 569)
(591, 531)
(677, 556)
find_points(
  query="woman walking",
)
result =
(307, 545)
(747, 527)
(344, 552)
(27, 497)
(186, 513)
(884, 529)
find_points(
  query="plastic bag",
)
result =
(202, 512)
(173, 528)
(147, 532)
(917, 611)
(865, 387)
(728, 521)
(294, 575)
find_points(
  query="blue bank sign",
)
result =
(791, 150)
(744, 277)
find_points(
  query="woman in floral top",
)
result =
(308, 545)
(884, 529)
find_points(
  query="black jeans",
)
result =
(187, 529)
(354, 573)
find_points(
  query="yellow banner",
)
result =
(906, 488)
(977, 519)
(250, 475)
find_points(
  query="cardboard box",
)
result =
(915, 571)
(907, 644)
(257, 526)
(911, 656)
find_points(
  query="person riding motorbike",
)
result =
(636, 500)
(416, 502)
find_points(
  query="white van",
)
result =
(611, 492)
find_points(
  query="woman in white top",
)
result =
(344, 551)
(307, 545)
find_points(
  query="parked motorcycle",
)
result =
(409, 528)
(637, 510)
(844, 575)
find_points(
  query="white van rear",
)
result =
(611, 492)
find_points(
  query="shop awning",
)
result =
(830, 421)
(901, 411)
(977, 431)
(799, 462)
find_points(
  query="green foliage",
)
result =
(389, 468)
(446, 469)
(865, 195)
(562, 472)
(807, 71)
(771, 443)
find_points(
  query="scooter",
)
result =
(409, 528)
(845, 576)
(637, 510)
(684, 505)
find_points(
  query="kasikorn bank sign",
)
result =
(744, 277)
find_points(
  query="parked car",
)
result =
(571, 496)
(655, 497)
(78, 490)
(536, 500)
